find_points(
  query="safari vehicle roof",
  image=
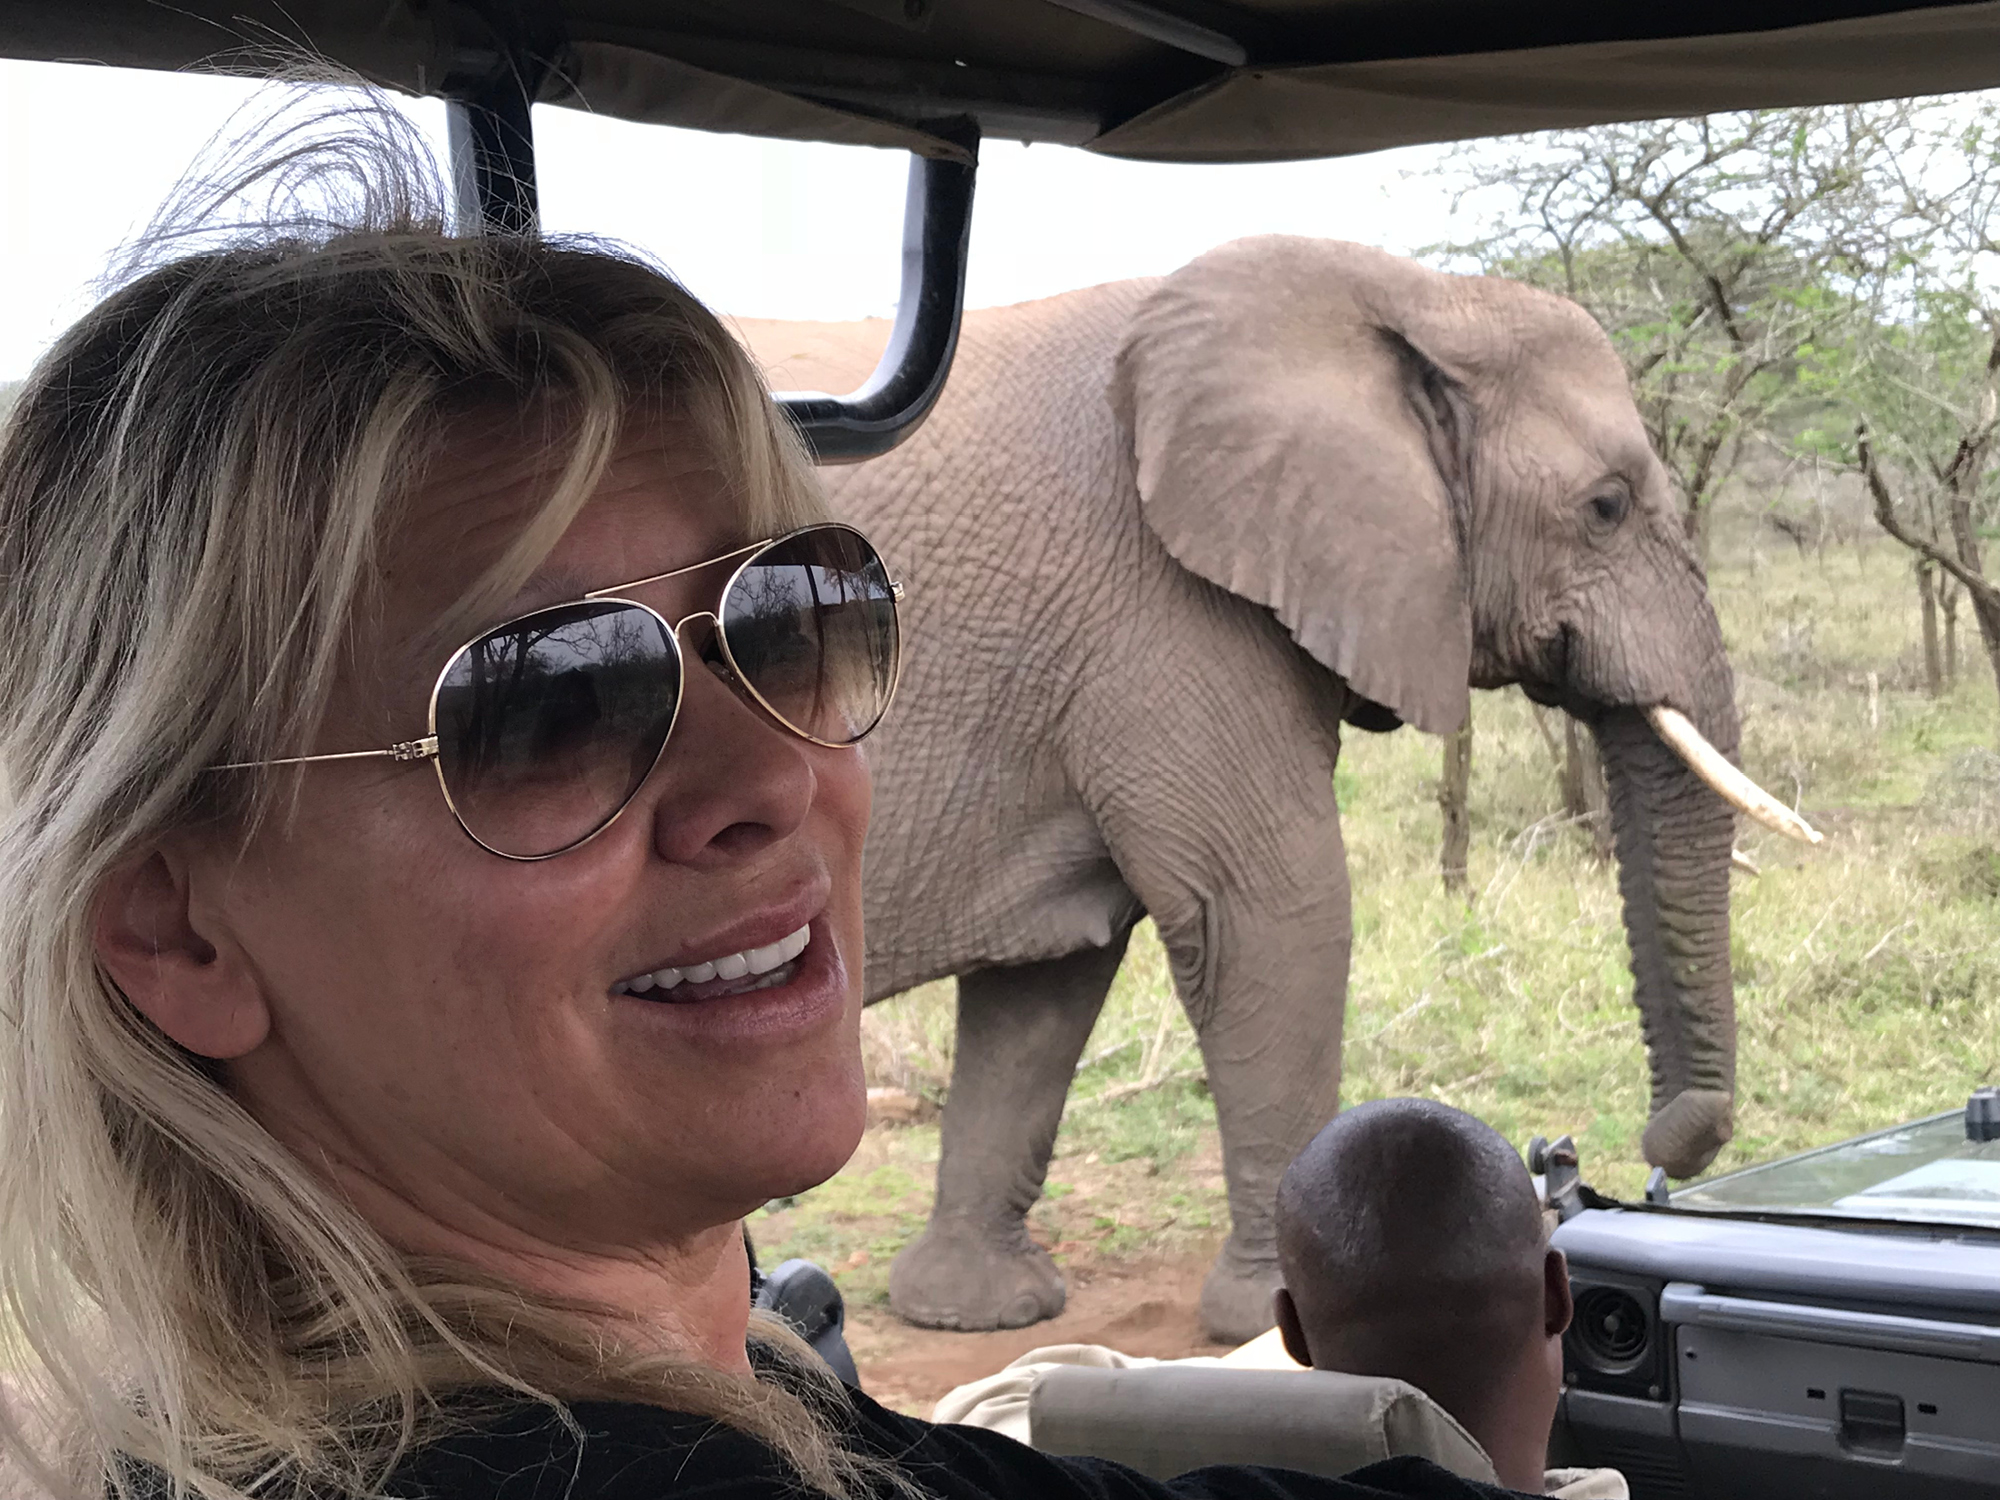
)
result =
(1165, 80)
(1159, 80)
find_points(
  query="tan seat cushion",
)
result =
(1166, 1419)
(1001, 1402)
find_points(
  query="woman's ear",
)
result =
(196, 987)
(1295, 446)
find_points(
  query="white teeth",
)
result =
(732, 966)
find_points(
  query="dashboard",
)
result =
(1825, 1326)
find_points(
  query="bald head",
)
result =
(1412, 1246)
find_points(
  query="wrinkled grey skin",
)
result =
(1160, 538)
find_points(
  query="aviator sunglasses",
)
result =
(544, 728)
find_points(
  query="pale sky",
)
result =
(757, 228)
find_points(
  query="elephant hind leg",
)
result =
(1021, 1030)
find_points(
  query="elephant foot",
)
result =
(1236, 1298)
(1686, 1133)
(975, 1279)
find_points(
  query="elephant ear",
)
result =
(1295, 446)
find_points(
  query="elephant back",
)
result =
(1005, 515)
(1021, 446)
(806, 356)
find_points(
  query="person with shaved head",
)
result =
(1412, 1246)
(1414, 1254)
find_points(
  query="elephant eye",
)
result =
(1610, 507)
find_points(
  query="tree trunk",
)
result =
(1572, 774)
(1963, 481)
(1695, 522)
(1454, 789)
(1948, 592)
(1927, 597)
(1585, 796)
(1987, 615)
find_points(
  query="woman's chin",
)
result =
(794, 1150)
(835, 1139)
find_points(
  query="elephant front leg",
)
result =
(1261, 964)
(1271, 1097)
(1020, 1032)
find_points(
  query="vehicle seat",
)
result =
(1166, 1419)
(807, 1298)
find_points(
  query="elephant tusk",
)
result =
(1730, 784)
(1744, 862)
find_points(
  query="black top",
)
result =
(632, 1452)
(1151, 80)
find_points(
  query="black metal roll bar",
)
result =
(937, 228)
(492, 142)
(493, 164)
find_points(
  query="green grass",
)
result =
(1867, 971)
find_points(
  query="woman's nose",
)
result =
(730, 782)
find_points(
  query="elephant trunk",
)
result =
(1674, 835)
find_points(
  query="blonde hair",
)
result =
(194, 484)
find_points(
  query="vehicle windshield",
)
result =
(1925, 1172)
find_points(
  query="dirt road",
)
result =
(1141, 1307)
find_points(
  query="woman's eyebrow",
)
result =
(563, 585)
(452, 631)
(560, 585)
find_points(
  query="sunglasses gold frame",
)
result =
(426, 746)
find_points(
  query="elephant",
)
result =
(1162, 538)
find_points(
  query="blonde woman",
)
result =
(429, 886)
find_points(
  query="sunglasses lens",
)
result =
(811, 627)
(547, 727)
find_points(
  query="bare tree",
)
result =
(1928, 606)
(1949, 593)
(1924, 376)
(1792, 529)
(1714, 251)
(1454, 801)
(1586, 799)
(1937, 602)
(1963, 558)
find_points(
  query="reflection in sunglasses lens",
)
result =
(811, 626)
(548, 726)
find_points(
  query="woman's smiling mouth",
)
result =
(730, 974)
(796, 995)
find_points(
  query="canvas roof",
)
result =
(1164, 80)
